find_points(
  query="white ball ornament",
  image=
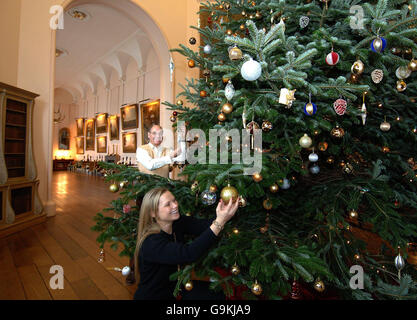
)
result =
(207, 49)
(285, 184)
(251, 70)
(313, 157)
(305, 141)
(126, 271)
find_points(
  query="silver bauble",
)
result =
(313, 157)
(399, 262)
(208, 198)
(207, 49)
(385, 126)
(315, 169)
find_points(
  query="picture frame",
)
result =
(80, 127)
(101, 123)
(90, 135)
(114, 128)
(64, 139)
(79, 145)
(102, 144)
(149, 115)
(129, 116)
(129, 142)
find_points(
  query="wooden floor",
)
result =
(65, 240)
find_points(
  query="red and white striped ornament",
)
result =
(332, 58)
(340, 106)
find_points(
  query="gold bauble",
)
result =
(263, 229)
(319, 286)
(191, 63)
(235, 53)
(413, 65)
(348, 168)
(337, 132)
(189, 286)
(221, 117)
(173, 119)
(227, 108)
(123, 184)
(401, 85)
(235, 230)
(114, 188)
(267, 204)
(266, 126)
(385, 149)
(242, 27)
(180, 102)
(358, 67)
(354, 78)
(228, 193)
(323, 146)
(257, 177)
(256, 289)
(385, 126)
(188, 214)
(229, 32)
(213, 188)
(330, 160)
(235, 270)
(226, 80)
(305, 141)
(203, 93)
(274, 188)
(258, 15)
(353, 214)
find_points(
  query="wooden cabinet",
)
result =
(62, 164)
(20, 205)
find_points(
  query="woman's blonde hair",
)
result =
(147, 225)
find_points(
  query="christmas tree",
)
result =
(331, 86)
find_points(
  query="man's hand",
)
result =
(175, 153)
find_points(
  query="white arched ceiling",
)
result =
(134, 13)
(96, 49)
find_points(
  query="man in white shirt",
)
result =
(152, 158)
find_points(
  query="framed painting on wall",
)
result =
(101, 123)
(129, 117)
(89, 135)
(114, 127)
(79, 142)
(80, 127)
(149, 115)
(102, 144)
(129, 142)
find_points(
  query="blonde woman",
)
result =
(160, 245)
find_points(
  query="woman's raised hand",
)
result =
(226, 212)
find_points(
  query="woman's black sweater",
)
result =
(160, 254)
